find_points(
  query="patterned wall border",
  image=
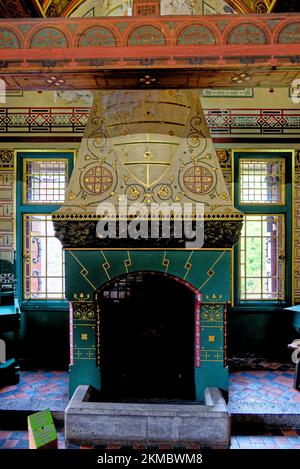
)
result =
(297, 230)
(7, 205)
(16, 120)
(72, 120)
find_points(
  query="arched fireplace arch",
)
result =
(148, 331)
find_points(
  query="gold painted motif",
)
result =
(212, 313)
(134, 193)
(127, 261)
(84, 353)
(71, 196)
(154, 165)
(210, 273)
(84, 272)
(165, 262)
(223, 156)
(106, 265)
(188, 265)
(211, 356)
(213, 298)
(83, 311)
(81, 297)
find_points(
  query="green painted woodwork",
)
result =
(84, 373)
(32, 209)
(43, 336)
(266, 209)
(210, 375)
(207, 270)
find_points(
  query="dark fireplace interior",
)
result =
(147, 324)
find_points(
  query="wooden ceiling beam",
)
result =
(208, 51)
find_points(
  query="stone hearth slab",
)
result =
(90, 423)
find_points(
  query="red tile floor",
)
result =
(42, 389)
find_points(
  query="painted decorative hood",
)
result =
(151, 146)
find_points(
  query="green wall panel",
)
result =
(206, 270)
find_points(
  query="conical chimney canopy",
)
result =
(148, 147)
(151, 146)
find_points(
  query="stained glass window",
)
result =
(42, 177)
(262, 257)
(44, 259)
(261, 181)
(45, 181)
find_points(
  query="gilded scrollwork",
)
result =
(83, 311)
(212, 313)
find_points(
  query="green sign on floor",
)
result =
(42, 432)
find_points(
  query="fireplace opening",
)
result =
(147, 328)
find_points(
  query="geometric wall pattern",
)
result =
(72, 120)
(6, 205)
(297, 230)
(253, 121)
(43, 120)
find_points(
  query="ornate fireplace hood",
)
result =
(150, 147)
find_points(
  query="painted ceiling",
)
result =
(52, 8)
(37, 8)
(65, 8)
(17, 9)
(252, 6)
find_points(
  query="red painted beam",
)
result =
(99, 46)
(123, 53)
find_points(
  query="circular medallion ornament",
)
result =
(97, 180)
(198, 179)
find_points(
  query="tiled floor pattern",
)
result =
(244, 386)
(268, 439)
(259, 386)
(42, 385)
